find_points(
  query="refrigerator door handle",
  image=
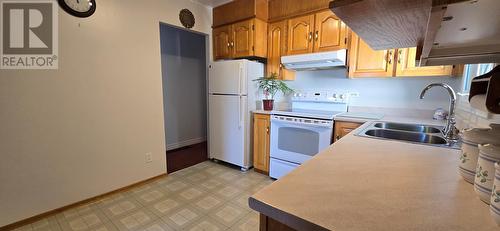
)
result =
(240, 72)
(240, 120)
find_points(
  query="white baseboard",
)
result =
(184, 143)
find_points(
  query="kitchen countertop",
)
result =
(262, 112)
(362, 183)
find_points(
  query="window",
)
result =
(473, 70)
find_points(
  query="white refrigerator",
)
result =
(232, 95)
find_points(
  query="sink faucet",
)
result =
(450, 132)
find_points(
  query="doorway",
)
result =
(184, 83)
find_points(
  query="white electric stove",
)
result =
(304, 130)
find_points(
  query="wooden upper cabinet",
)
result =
(222, 42)
(366, 62)
(300, 35)
(242, 43)
(235, 11)
(407, 65)
(330, 32)
(283, 9)
(276, 47)
(242, 39)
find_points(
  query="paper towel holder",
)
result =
(489, 85)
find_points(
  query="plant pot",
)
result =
(268, 104)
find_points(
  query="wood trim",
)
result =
(231, 23)
(303, 13)
(76, 204)
(261, 171)
(435, 19)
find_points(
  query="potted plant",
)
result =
(270, 86)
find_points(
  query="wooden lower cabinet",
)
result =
(261, 140)
(343, 128)
(268, 224)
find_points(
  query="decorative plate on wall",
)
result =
(187, 18)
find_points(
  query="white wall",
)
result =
(83, 130)
(398, 92)
(184, 73)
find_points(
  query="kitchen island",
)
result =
(362, 183)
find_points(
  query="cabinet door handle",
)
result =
(228, 44)
(310, 36)
(390, 57)
(232, 44)
(400, 53)
(267, 130)
(316, 35)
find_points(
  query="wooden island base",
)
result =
(269, 224)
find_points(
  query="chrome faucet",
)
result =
(450, 132)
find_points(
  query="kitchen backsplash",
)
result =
(400, 92)
(468, 117)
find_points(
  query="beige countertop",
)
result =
(370, 184)
(262, 112)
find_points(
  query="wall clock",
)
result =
(186, 18)
(78, 8)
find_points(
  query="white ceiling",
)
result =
(212, 3)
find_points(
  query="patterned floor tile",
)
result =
(241, 199)
(191, 193)
(135, 220)
(121, 207)
(250, 222)
(228, 192)
(183, 217)
(85, 221)
(198, 177)
(214, 170)
(208, 203)
(212, 184)
(166, 206)
(175, 186)
(206, 224)
(207, 196)
(158, 225)
(228, 214)
(150, 196)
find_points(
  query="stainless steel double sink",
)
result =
(412, 133)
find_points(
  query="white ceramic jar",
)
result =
(471, 138)
(489, 154)
(495, 195)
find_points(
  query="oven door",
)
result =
(297, 139)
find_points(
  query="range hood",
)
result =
(445, 31)
(315, 61)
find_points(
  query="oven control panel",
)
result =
(321, 96)
(303, 121)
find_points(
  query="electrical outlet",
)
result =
(149, 157)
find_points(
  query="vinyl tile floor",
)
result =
(206, 196)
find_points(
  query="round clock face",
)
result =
(78, 8)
